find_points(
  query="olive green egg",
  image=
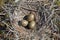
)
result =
(32, 24)
(24, 22)
(30, 17)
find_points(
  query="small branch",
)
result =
(2, 14)
(29, 9)
(57, 35)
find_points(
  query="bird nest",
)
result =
(45, 29)
(43, 18)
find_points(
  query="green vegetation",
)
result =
(57, 2)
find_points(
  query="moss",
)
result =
(1, 32)
(1, 2)
(57, 2)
